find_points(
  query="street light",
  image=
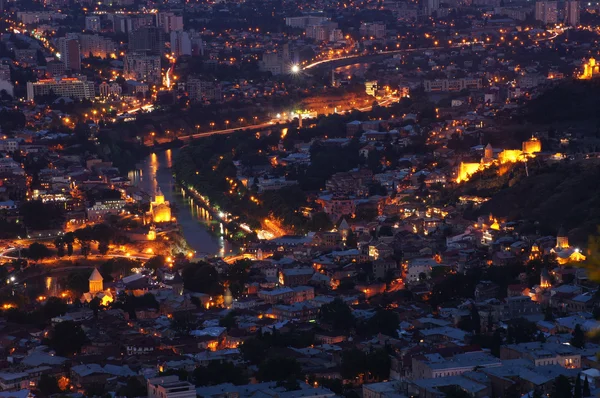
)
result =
(295, 69)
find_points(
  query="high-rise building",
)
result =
(4, 72)
(70, 52)
(202, 90)
(148, 38)
(170, 22)
(572, 13)
(374, 29)
(278, 62)
(431, 6)
(180, 44)
(98, 46)
(92, 23)
(321, 31)
(55, 68)
(304, 21)
(546, 12)
(65, 87)
(140, 66)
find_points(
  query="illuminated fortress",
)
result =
(507, 156)
(590, 70)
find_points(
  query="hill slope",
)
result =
(565, 194)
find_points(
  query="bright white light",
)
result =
(12, 278)
(221, 214)
(295, 69)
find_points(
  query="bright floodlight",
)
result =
(295, 69)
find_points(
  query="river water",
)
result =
(200, 230)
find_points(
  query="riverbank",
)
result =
(198, 227)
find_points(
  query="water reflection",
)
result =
(201, 232)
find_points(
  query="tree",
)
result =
(561, 388)
(384, 321)
(237, 276)
(278, 369)
(155, 263)
(67, 338)
(54, 307)
(202, 278)
(354, 362)
(134, 388)
(103, 247)
(338, 314)
(95, 306)
(577, 393)
(320, 222)
(229, 320)
(578, 339)
(253, 350)
(548, 314)
(351, 240)
(521, 330)
(218, 373)
(537, 393)
(38, 251)
(586, 388)
(475, 320)
(48, 385)
(378, 364)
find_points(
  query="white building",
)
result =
(180, 44)
(546, 12)
(4, 72)
(304, 21)
(98, 46)
(110, 89)
(65, 87)
(170, 21)
(572, 13)
(419, 266)
(170, 387)
(142, 67)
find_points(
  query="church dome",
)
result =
(96, 276)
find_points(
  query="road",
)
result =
(275, 122)
(356, 58)
(230, 131)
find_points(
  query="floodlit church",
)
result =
(564, 252)
(96, 289)
(160, 209)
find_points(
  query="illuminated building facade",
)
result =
(590, 70)
(65, 87)
(160, 210)
(533, 145)
(507, 156)
(96, 282)
(564, 252)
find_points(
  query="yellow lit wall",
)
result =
(510, 155)
(466, 170)
(532, 145)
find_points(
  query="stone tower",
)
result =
(562, 240)
(96, 282)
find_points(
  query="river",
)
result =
(202, 233)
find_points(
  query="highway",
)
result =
(554, 33)
(274, 122)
